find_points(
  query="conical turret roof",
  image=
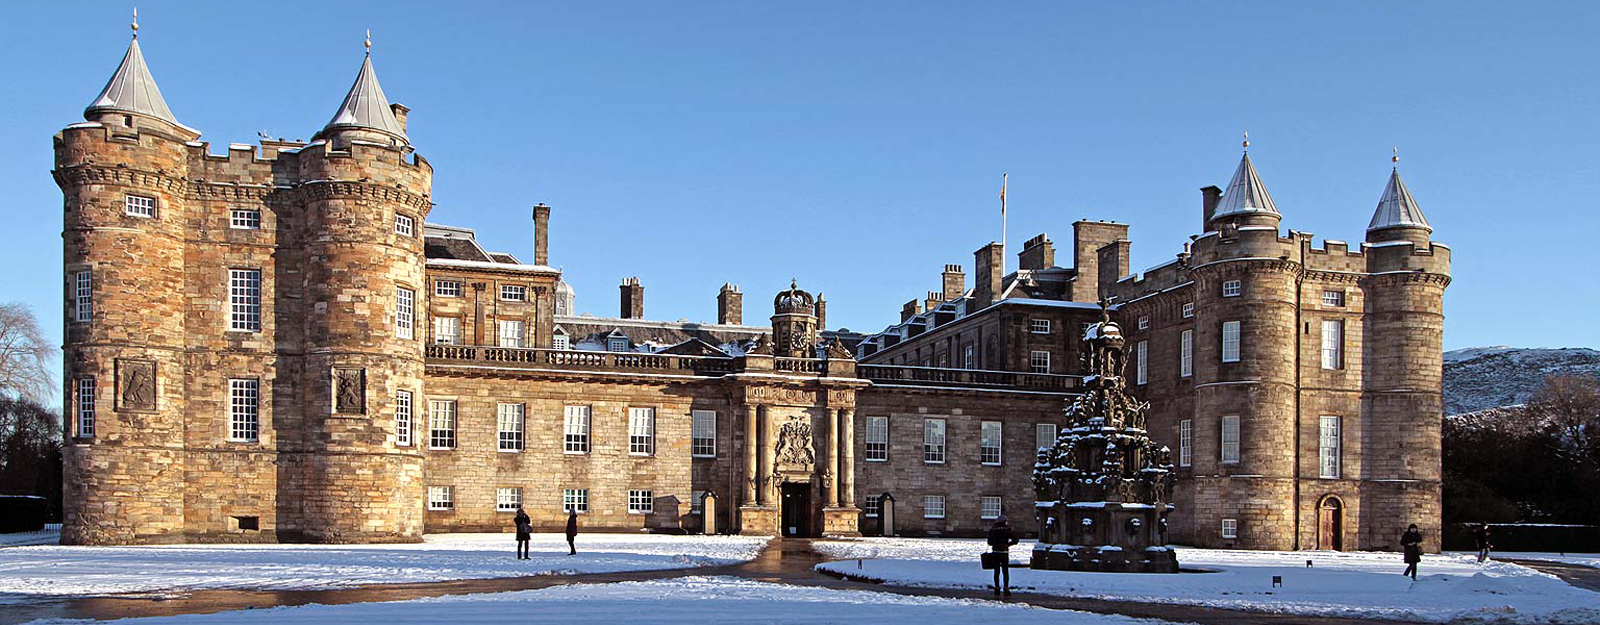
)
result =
(366, 107)
(132, 90)
(1245, 195)
(1397, 209)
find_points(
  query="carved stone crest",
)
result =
(136, 384)
(350, 391)
(794, 445)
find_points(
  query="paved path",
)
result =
(1576, 574)
(783, 561)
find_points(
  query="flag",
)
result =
(1003, 193)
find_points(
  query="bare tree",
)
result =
(24, 355)
(1568, 406)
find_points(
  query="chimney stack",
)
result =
(1037, 253)
(541, 234)
(1087, 239)
(632, 299)
(822, 312)
(730, 305)
(1209, 198)
(934, 299)
(1113, 263)
(911, 309)
(400, 111)
(986, 275)
(955, 282)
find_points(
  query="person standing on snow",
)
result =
(524, 532)
(1000, 541)
(1482, 536)
(1411, 542)
(572, 531)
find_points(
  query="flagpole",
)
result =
(1004, 177)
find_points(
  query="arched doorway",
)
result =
(1330, 524)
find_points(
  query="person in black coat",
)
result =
(572, 531)
(1411, 542)
(1482, 536)
(1000, 541)
(524, 532)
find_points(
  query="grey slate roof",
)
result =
(1397, 209)
(1245, 194)
(366, 107)
(132, 90)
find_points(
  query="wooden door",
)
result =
(1330, 520)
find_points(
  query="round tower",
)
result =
(123, 176)
(1404, 370)
(1244, 375)
(365, 304)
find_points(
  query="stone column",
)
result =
(751, 466)
(763, 488)
(847, 456)
(833, 458)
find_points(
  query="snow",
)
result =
(50, 535)
(685, 601)
(1480, 378)
(59, 570)
(480, 264)
(1351, 584)
(1580, 559)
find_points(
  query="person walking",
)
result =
(1482, 536)
(524, 532)
(1411, 542)
(572, 531)
(1001, 539)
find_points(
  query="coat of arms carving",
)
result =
(794, 445)
(349, 391)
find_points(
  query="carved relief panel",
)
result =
(349, 391)
(136, 385)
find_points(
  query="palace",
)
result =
(279, 343)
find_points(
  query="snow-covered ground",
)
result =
(682, 601)
(1581, 559)
(58, 570)
(1451, 587)
(50, 535)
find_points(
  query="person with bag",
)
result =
(999, 557)
(524, 533)
(1411, 542)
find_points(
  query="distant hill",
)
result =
(1479, 378)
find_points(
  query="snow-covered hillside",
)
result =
(1478, 378)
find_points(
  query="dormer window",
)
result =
(559, 340)
(617, 344)
(139, 206)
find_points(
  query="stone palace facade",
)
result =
(275, 343)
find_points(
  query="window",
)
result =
(933, 441)
(83, 296)
(559, 341)
(1039, 326)
(697, 502)
(1186, 443)
(1039, 361)
(877, 449)
(703, 434)
(576, 427)
(511, 333)
(402, 418)
(575, 500)
(1231, 288)
(642, 431)
(1333, 298)
(507, 499)
(1332, 343)
(1044, 435)
(617, 344)
(1188, 310)
(989, 450)
(872, 506)
(1230, 341)
(441, 498)
(969, 357)
(1230, 528)
(1144, 322)
(244, 416)
(510, 426)
(513, 292)
(404, 226)
(405, 313)
(1328, 450)
(1141, 370)
(139, 206)
(244, 300)
(640, 502)
(447, 330)
(1230, 439)
(989, 508)
(85, 407)
(447, 288)
(1186, 353)
(245, 219)
(442, 424)
(933, 506)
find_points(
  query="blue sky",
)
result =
(858, 146)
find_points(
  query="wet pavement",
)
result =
(783, 561)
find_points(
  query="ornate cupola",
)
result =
(132, 94)
(365, 114)
(1398, 217)
(1246, 201)
(794, 323)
